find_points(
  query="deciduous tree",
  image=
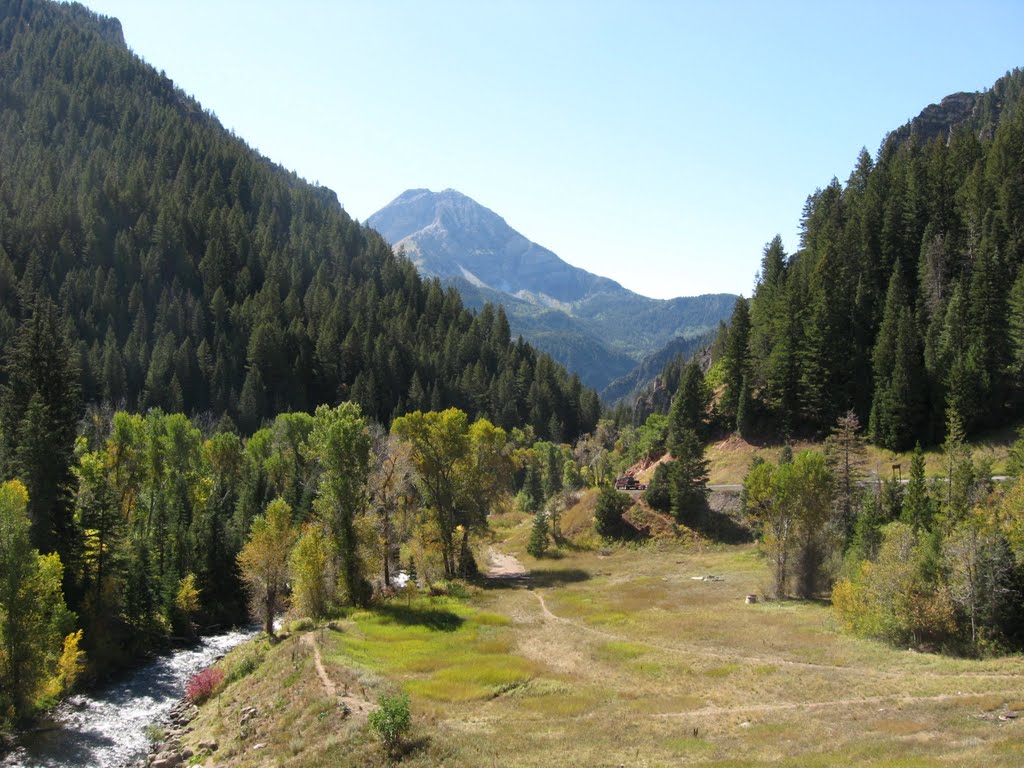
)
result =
(264, 562)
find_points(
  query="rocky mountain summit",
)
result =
(979, 111)
(448, 234)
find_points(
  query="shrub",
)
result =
(659, 491)
(244, 666)
(203, 684)
(391, 720)
(611, 505)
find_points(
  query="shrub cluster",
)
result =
(202, 684)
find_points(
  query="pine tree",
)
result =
(39, 410)
(846, 453)
(538, 543)
(611, 506)
(1015, 330)
(744, 410)
(689, 478)
(689, 406)
(659, 491)
(533, 488)
(959, 467)
(737, 358)
(917, 505)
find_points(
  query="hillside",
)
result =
(196, 275)
(642, 379)
(905, 300)
(591, 324)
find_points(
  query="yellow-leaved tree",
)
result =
(39, 656)
(264, 562)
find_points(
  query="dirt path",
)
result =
(358, 707)
(897, 699)
(502, 566)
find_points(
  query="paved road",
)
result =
(869, 481)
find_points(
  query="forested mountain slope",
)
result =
(589, 323)
(197, 276)
(906, 298)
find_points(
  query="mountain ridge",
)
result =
(196, 275)
(590, 323)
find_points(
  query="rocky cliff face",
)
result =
(107, 27)
(980, 112)
(939, 119)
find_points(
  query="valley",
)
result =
(390, 451)
(623, 656)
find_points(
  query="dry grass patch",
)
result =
(730, 458)
(620, 652)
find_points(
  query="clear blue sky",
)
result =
(658, 143)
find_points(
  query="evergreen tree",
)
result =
(917, 505)
(744, 408)
(845, 453)
(659, 491)
(611, 506)
(689, 478)
(1015, 331)
(533, 489)
(538, 543)
(689, 406)
(867, 530)
(39, 411)
(737, 358)
(897, 410)
(959, 467)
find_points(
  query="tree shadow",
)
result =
(541, 578)
(432, 618)
(556, 577)
(719, 526)
(412, 746)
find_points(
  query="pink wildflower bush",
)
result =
(202, 684)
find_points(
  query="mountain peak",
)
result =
(980, 112)
(590, 323)
(450, 235)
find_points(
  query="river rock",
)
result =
(209, 746)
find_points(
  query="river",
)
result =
(106, 727)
